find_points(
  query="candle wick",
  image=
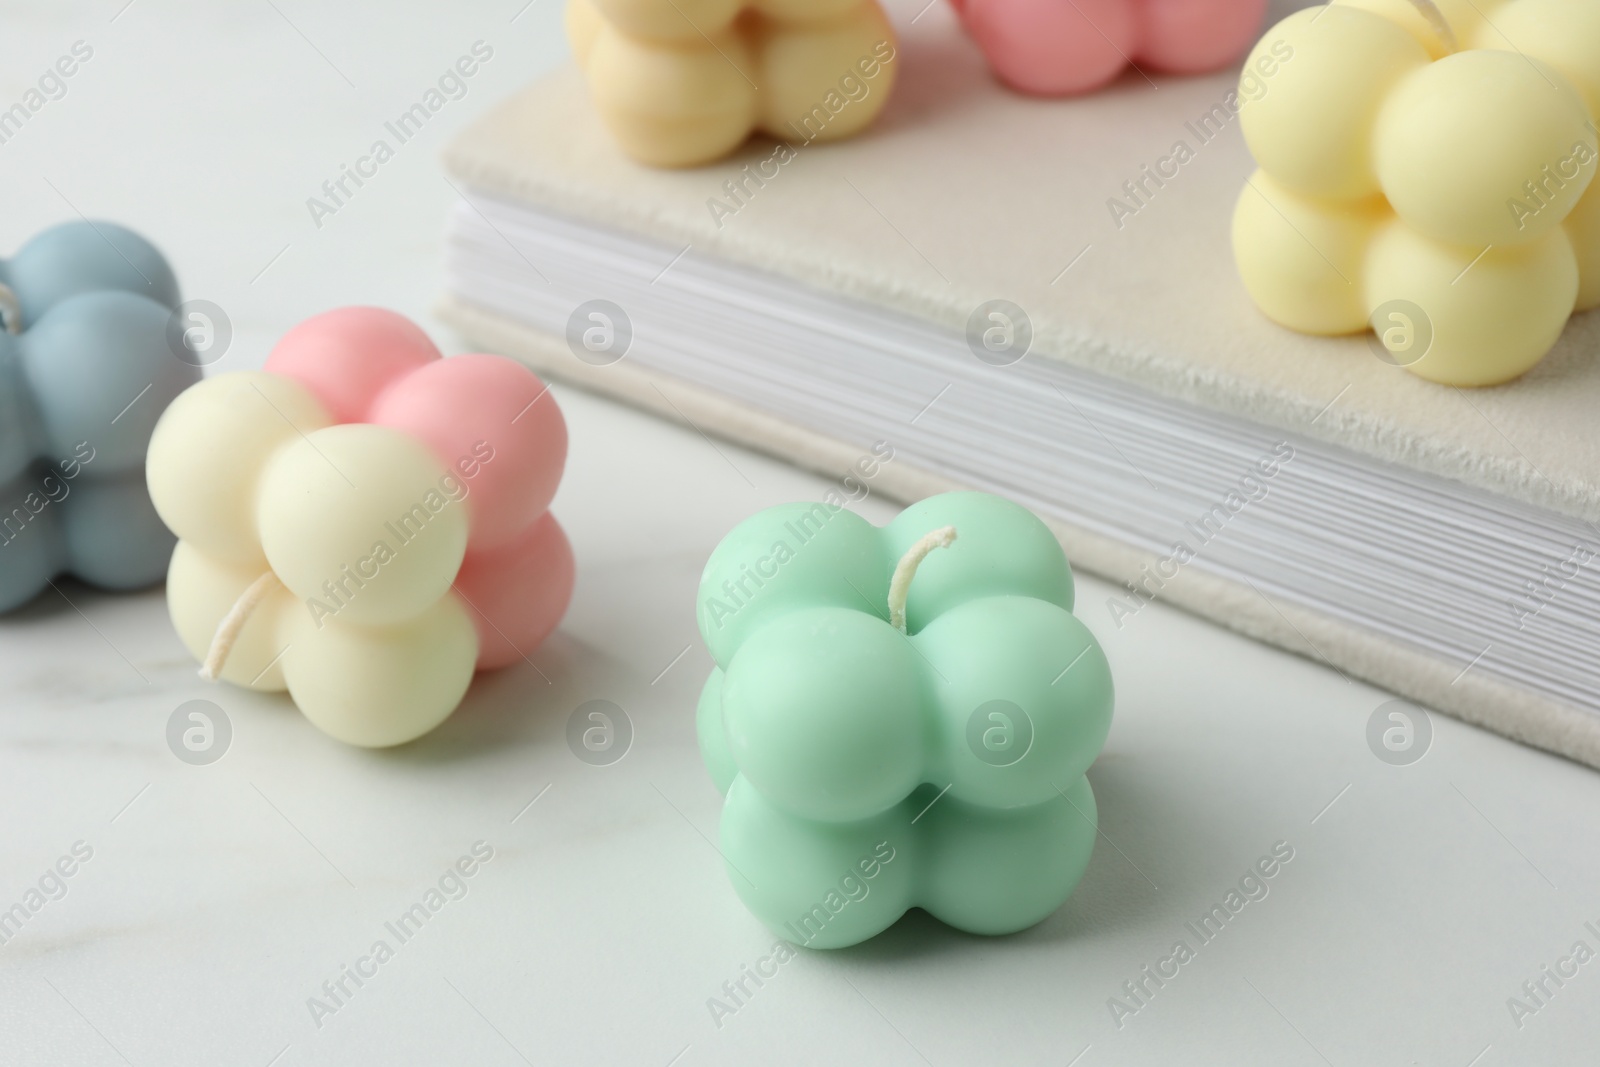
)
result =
(900, 584)
(1441, 25)
(10, 310)
(232, 624)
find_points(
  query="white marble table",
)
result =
(217, 900)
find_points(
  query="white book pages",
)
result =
(1501, 587)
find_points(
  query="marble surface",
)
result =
(215, 901)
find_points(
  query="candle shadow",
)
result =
(67, 595)
(524, 705)
(598, 655)
(942, 71)
(942, 75)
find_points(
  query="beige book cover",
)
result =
(1107, 220)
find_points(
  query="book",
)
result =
(1038, 299)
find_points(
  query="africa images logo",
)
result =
(737, 593)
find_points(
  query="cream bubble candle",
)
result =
(1427, 168)
(363, 523)
(684, 82)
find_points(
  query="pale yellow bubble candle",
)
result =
(1427, 169)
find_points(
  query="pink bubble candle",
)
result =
(1061, 48)
(363, 523)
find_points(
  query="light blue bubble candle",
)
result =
(86, 368)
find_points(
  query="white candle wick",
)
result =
(10, 310)
(900, 584)
(1441, 25)
(233, 622)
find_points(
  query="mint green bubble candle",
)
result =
(900, 717)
